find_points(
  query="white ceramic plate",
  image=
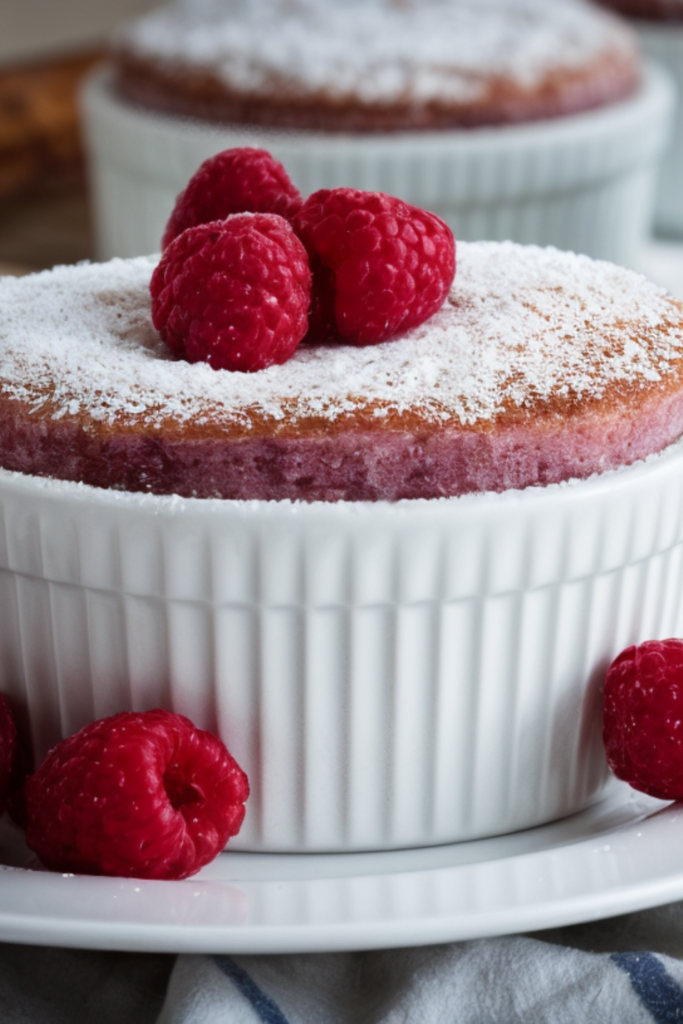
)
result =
(623, 854)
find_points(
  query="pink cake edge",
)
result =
(350, 465)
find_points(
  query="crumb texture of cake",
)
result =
(375, 65)
(541, 366)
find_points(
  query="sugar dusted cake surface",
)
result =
(375, 64)
(540, 366)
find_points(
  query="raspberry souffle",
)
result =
(536, 122)
(375, 65)
(539, 367)
(280, 480)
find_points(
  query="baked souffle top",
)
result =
(375, 64)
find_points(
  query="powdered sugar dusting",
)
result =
(377, 51)
(521, 325)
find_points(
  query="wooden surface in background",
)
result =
(41, 231)
(40, 139)
(44, 209)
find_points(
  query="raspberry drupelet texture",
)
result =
(242, 180)
(9, 753)
(643, 717)
(234, 293)
(380, 266)
(140, 795)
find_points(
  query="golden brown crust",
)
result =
(626, 399)
(202, 95)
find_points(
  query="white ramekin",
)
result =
(583, 183)
(389, 675)
(664, 43)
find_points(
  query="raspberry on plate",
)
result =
(141, 795)
(242, 180)
(643, 717)
(234, 293)
(380, 266)
(9, 753)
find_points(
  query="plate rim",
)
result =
(42, 924)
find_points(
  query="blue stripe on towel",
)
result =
(264, 1007)
(658, 991)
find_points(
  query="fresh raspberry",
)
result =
(643, 717)
(9, 754)
(235, 181)
(142, 795)
(380, 266)
(234, 293)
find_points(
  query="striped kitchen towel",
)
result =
(602, 972)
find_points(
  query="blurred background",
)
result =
(48, 48)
